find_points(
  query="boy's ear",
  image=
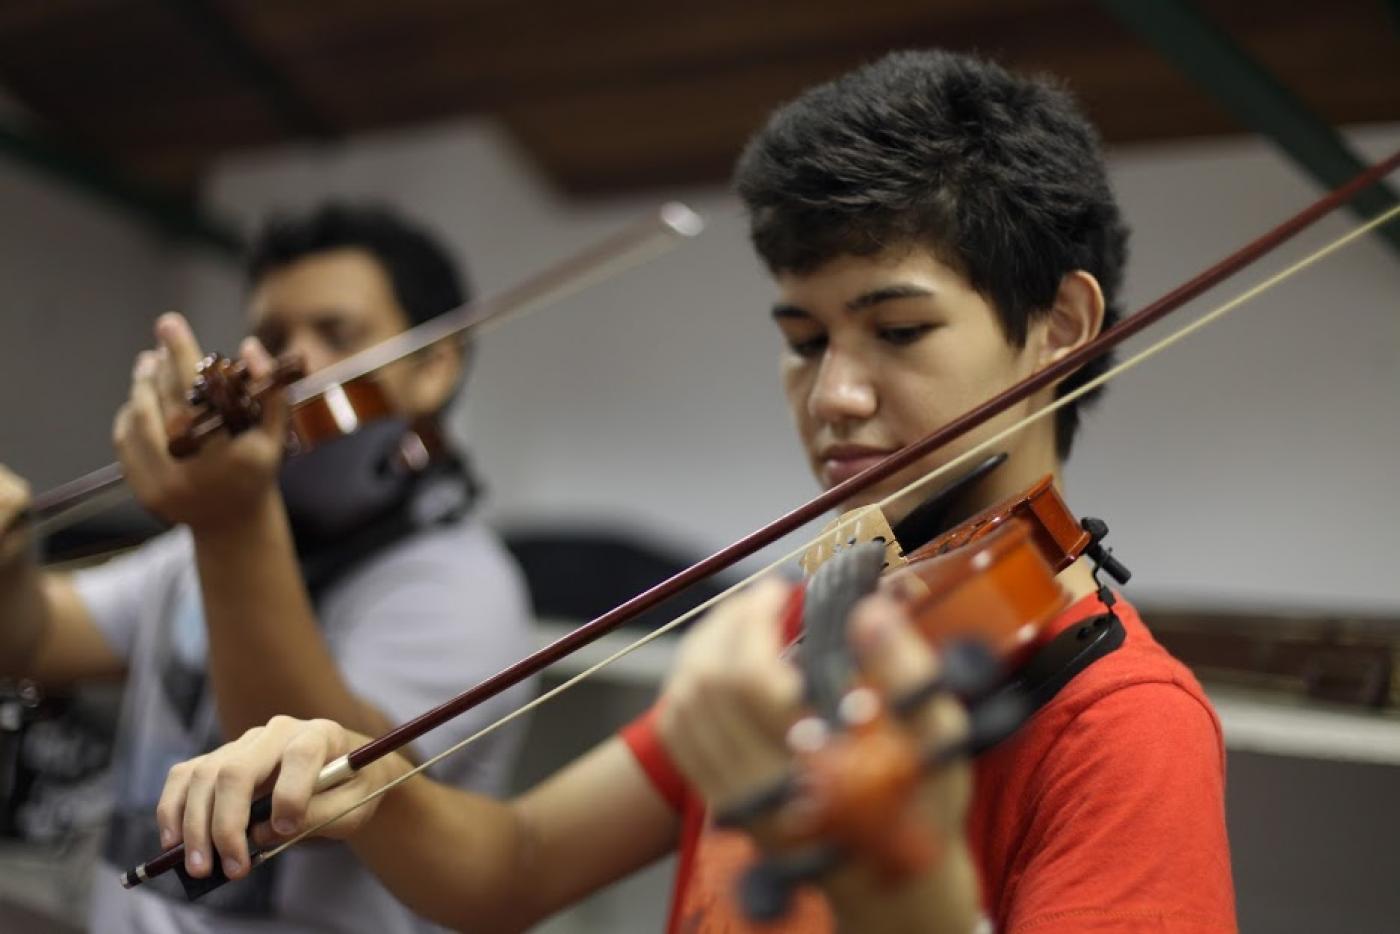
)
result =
(1075, 317)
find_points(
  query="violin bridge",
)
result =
(857, 527)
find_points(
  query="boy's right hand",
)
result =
(206, 800)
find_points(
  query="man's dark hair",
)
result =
(425, 279)
(1000, 175)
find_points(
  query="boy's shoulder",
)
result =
(1141, 662)
(1134, 696)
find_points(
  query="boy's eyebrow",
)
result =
(885, 293)
(784, 310)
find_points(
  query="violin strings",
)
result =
(929, 478)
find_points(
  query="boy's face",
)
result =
(329, 306)
(882, 350)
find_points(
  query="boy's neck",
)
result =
(1022, 470)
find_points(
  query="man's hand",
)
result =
(14, 541)
(206, 800)
(14, 499)
(225, 478)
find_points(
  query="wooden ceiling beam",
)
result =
(614, 94)
(298, 116)
(164, 213)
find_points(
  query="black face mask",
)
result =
(347, 482)
(350, 497)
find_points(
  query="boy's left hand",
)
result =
(727, 707)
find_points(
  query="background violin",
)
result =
(340, 399)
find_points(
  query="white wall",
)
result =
(79, 286)
(1253, 464)
(1248, 467)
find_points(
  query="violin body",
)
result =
(998, 588)
(1057, 534)
(225, 397)
(341, 409)
(989, 583)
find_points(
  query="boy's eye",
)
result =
(272, 337)
(337, 335)
(904, 334)
(808, 347)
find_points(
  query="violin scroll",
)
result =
(225, 396)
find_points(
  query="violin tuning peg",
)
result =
(764, 894)
(1112, 566)
(1103, 557)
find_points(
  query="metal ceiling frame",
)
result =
(168, 214)
(296, 113)
(1176, 29)
(1253, 96)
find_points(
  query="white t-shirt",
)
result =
(412, 625)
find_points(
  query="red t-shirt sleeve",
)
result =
(1129, 828)
(641, 737)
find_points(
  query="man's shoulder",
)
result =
(463, 561)
(157, 562)
(171, 549)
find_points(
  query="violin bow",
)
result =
(642, 240)
(345, 766)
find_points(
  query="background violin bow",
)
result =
(648, 237)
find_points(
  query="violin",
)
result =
(982, 594)
(991, 543)
(341, 399)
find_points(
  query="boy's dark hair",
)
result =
(1000, 175)
(425, 279)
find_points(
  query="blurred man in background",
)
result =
(352, 582)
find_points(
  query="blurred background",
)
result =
(1248, 475)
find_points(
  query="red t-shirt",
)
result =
(1105, 812)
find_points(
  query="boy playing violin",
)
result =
(938, 229)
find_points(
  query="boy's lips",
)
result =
(841, 462)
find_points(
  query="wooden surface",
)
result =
(611, 94)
